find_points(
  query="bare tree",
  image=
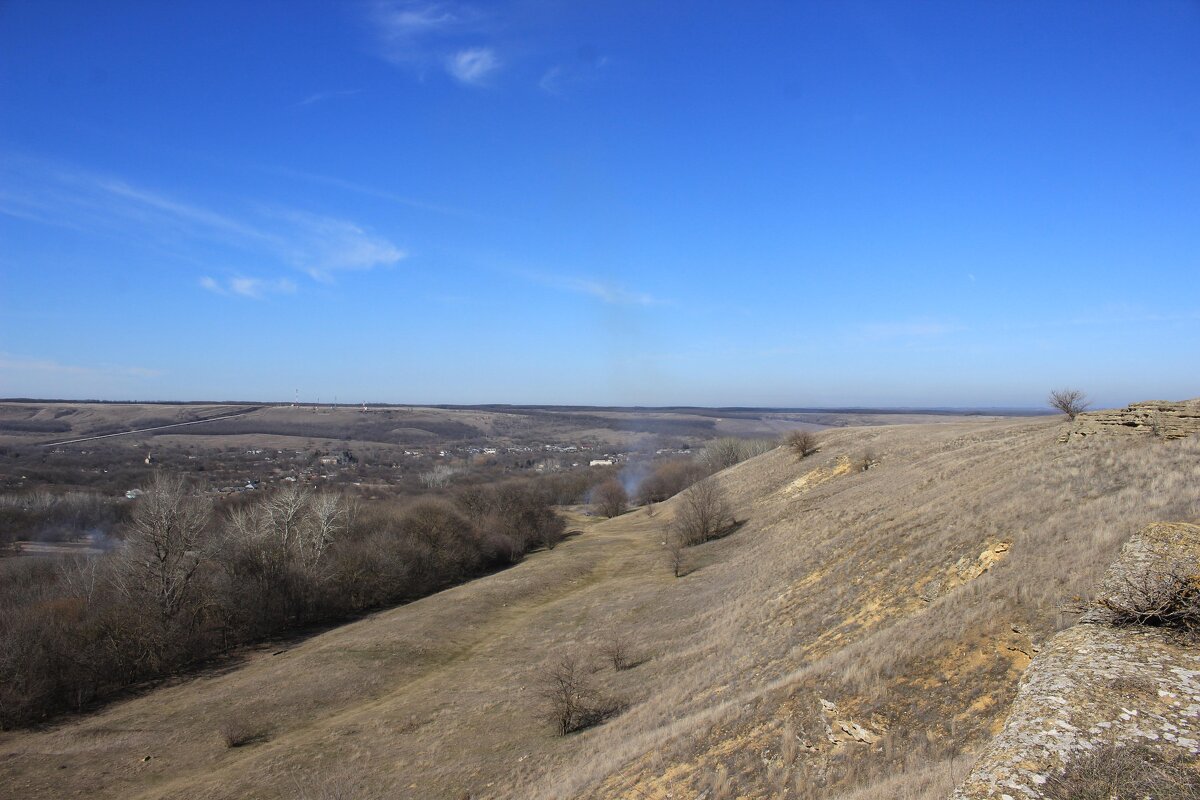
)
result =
(615, 649)
(164, 545)
(572, 703)
(703, 513)
(676, 551)
(1071, 402)
(802, 443)
(610, 498)
(293, 524)
(438, 477)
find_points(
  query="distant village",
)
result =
(252, 469)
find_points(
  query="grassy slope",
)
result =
(859, 588)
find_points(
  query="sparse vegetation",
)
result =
(1071, 402)
(802, 443)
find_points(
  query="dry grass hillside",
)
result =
(861, 635)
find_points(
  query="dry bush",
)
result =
(726, 451)
(572, 702)
(610, 498)
(676, 551)
(1158, 597)
(868, 460)
(668, 479)
(615, 649)
(1124, 772)
(703, 513)
(238, 732)
(1071, 402)
(802, 443)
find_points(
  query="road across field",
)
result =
(231, 415)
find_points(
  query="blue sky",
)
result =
(761, 203)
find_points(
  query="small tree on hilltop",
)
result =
(802, 443)
(1071, 402)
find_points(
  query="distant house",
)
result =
(601, 462)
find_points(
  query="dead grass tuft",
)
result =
(240, 732)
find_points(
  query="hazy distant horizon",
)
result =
(1001, 410)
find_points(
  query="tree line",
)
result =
(188, 581)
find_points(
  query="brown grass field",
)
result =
(908, 597)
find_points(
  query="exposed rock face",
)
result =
(1095, 685)
(1162, 418)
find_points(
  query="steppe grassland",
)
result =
(860, 590)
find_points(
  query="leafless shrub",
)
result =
(1158, 597)
(1123, 771)
(615, 649)
(727, 451)
(237, 732)
(867, 460)
(1071, 402)
(610, 498)
(676, 551)
(668, 479)
(802, 443)
(703, 513)
(572, 703)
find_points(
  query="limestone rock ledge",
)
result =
(1163, 418)
(1094, 685)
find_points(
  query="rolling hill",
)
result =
(861, 634)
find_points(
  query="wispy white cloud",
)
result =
(321, 246)
(402, 23)
(421, 35)
(321, 97)
(315, 244)
(551, 81)
(369, 191)
(254, 288)
(20, 364)
(473, 65)
(604, 291)
(584, 70)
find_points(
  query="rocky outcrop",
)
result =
(1162, 418)
(1096, 686)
